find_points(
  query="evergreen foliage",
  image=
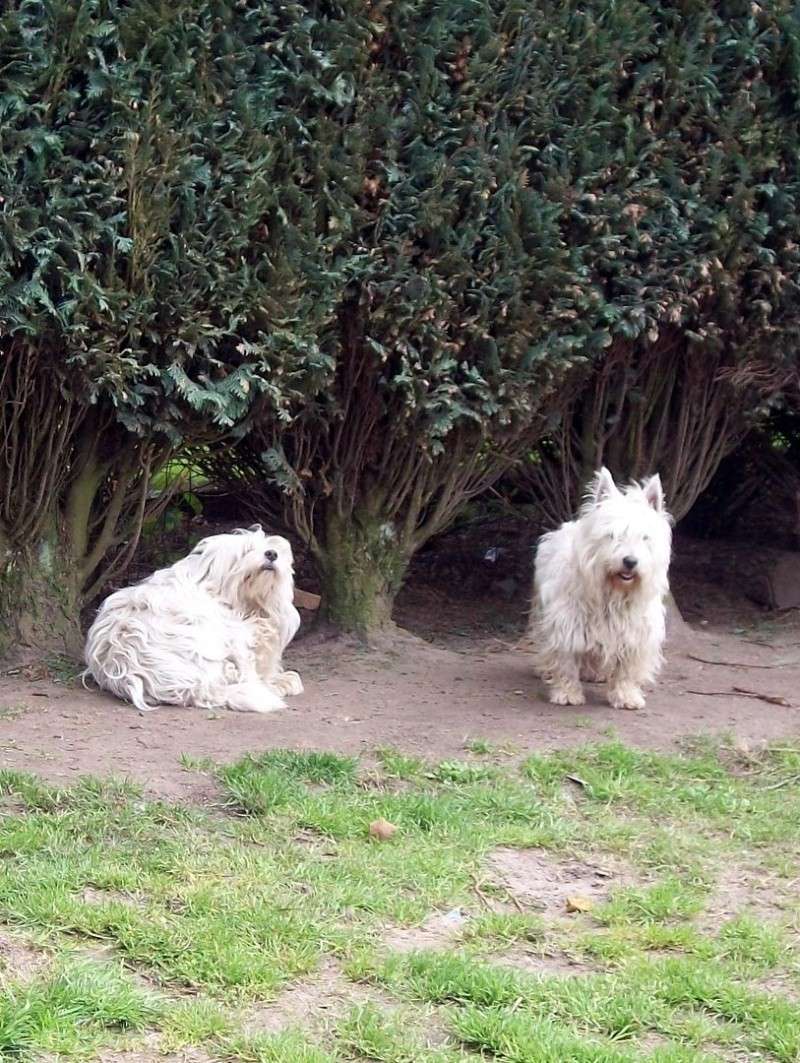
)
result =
(136, 302)
(697, 192)
(392, 239)
(494, 201)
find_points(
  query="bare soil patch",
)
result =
(314, 1003)
(741, 889)
(20, 961)
(152, 1054)
(538, 880)
(545, 964)
(454, 675)
(438, 930)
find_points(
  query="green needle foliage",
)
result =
(501, 200)
(686, 201)
(137, 304)
(391, 248)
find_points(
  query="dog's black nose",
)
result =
(629, 563)
(271, 555)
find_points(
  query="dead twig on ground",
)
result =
(740, 692)
(733, 664)
(477, 887)
(772, 699)
(783, 782)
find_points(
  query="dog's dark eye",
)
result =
(646, 538)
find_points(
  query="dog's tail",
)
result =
(249, 697)
(133, 690)
(129, 688)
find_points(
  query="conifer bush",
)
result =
(360, 257)
(695, 193)
(566, 230)
(137, 307)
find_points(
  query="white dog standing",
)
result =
(209, 631)
(599, 594)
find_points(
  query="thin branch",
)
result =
(732, 664)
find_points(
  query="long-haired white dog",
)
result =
(208, 631)
(600, 585)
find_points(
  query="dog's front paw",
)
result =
(626, 697)
(288, 684)
(567, 694)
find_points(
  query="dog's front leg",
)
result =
(591, 669)
(624, 694)
(287, 684)
(625, 686)
(632, 672)
(564, 681)
(268, 662)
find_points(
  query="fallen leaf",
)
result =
(579, 904)
(382, 829)
(577, 780)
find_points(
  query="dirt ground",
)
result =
(451, 676)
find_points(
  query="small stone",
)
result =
(579, 904)
(382, 829)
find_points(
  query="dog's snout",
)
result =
(629, 563)
(271, 555)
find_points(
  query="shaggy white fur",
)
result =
(209, 631)
(598, 609)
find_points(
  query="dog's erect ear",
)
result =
(603, 486)
(654, 493)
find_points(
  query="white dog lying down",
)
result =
(209, 631)
(599, 591)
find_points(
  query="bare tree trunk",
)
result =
(74, 494)
(39, 598)
(362, 567)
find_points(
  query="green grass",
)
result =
(71, 1009)
(368, 1032)
(506, 928)
(484, 748)
(64, 669)
(164, 926)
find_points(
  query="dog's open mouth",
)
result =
(269, 566)
(624, 576)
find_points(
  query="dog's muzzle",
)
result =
(628, 571)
